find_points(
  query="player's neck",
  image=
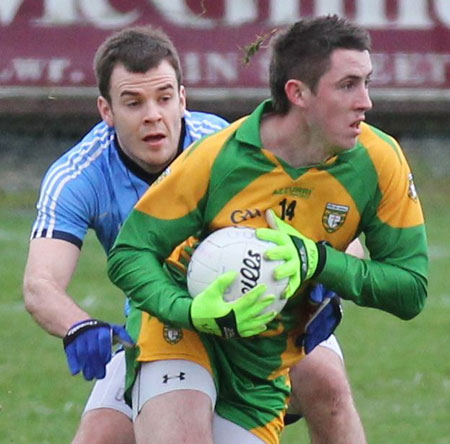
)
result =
(289, 138)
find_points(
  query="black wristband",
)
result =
(81, 327)
(322, 258)
(228, 325)
(304, 259)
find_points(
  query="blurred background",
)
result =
(47, 84)
(400, 372)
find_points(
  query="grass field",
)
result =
(400, 371)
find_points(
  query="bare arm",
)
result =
(50, 266)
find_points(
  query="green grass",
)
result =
(399, 371)
(40, 403)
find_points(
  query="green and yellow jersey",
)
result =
(230, 179)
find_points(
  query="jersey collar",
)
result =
(249, 132)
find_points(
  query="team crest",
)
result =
(334, 216)
(171, 334)
(412, 193)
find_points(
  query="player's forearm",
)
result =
(51, 307)
(140, 275)
(374, 284)
(135, 266)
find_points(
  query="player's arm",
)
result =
(166, 215)
(395, 277)
(87, 342)
(135, 266)
(50, 266)
(396, 284)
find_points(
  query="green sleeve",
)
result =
(396, 283)
(135, 266)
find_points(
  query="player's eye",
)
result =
(348, 85)
(165, 98)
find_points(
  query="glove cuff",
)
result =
(321, 258)
(228, 325)
(310, 257)
(225, 326)
(80, 327)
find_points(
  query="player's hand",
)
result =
(325, 314)
(301, 255)
(187, 250)
(88, 346)
(244, 317)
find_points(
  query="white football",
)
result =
(237, 249)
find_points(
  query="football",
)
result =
(237, 249)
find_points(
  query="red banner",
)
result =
(51, 43)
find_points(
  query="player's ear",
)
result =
(104, 108)
(297, 92)
(182, 99)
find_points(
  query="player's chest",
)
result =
(116, 204)
(322, 205)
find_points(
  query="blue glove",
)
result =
(324, 320)
(88, 346)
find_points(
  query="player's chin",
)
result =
(159, 160)
(346, 143)
(354, 133)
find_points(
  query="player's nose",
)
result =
(152, 112)
(364, 102)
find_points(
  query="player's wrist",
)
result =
(312, 256)
(203, 324)
(81, 327)
(321, 258)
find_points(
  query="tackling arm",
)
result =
(87, 342)
(50, 267)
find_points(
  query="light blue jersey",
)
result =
(95, 185)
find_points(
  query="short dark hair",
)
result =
(303, 50)
(139, 49)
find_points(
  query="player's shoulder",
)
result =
(200, 118)
(217, 140)
(200, 124)
(87, 151)
(379, 144)
(84, 161)
(212, 150)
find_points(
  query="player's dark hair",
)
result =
(303, 51)
(138, 49)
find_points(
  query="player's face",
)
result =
(146, 109)
(341, 100)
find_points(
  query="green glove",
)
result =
(303, 257)
(244, 317)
